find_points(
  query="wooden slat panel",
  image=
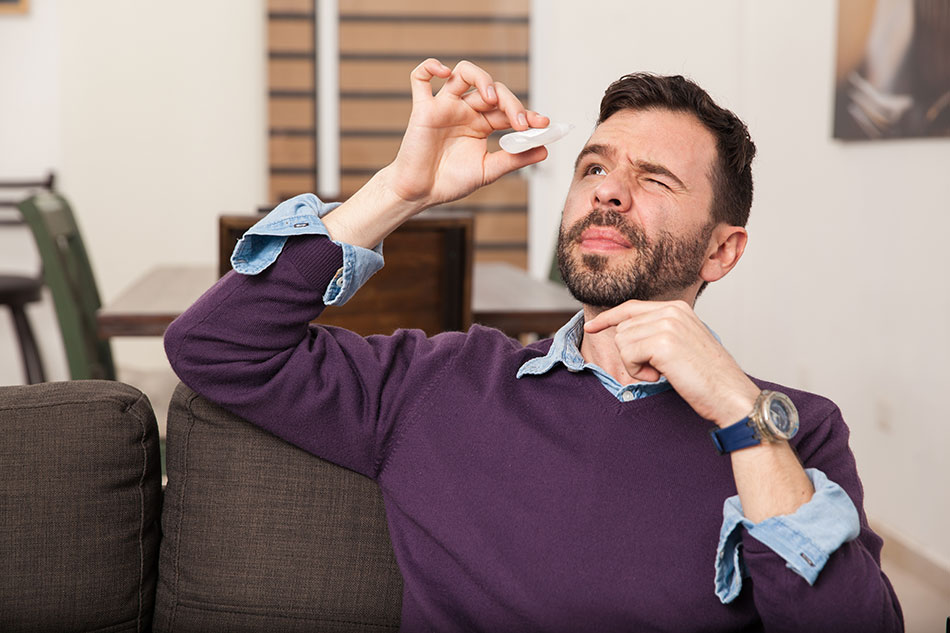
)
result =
(368, 152)
(512, 189)
(393, 75)
(515, 256)
(350, 183)
(294, 6)
(290, 36)
(409, 37)
(283, 186)
(453, 29)
(290, 74)
(375, 114)
(497, 228)
(436, 7)
(291, 112)
(291, 151)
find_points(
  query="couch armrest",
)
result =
(259, 535)
(80, 500)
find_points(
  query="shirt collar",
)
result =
(565, 349)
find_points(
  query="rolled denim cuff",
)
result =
(359, 264)
(805, 539)
(300, 215)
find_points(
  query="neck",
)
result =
(599, 348)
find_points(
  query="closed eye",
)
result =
(659, 182)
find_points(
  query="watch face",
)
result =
(779, 416)
(782, 416)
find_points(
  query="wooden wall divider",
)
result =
(380, 43)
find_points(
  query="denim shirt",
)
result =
(805, 539)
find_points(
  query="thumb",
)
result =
(499, 163)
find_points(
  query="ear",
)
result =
(726, 245)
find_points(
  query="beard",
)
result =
(659, 268)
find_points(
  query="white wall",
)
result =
(30, 147)
(158, 124)
(842, 290)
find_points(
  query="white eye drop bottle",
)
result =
(517, 142)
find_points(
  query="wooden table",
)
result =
(503, 296)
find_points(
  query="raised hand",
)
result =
(444, 153)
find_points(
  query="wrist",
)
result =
(737, 406)
(370, 214)
(773, 417)
(385, 187)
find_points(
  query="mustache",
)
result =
(608, 218)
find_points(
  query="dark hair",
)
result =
(732, 175)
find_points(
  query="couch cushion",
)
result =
(80, 497)
(261, 536)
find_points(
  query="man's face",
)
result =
(637, 223)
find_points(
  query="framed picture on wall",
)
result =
(14, 6)
(893, 69)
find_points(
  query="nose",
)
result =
(612, 192)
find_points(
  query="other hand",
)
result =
(657, 338)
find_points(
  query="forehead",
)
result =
(675, 140)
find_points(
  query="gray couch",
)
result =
(250, 533)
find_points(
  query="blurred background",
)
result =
(158, 117)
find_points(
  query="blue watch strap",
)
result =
(742, 434)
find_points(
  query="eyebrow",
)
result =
(642, 165)
(596, 148)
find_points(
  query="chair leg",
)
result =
(32, 362)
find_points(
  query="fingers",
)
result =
(421, 77)
(499, 120)
(466, 75)
(514, 114)
(615, 316)
(490, 96)
(472, 84)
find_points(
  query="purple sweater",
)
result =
(533, 504)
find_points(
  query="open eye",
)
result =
(595, 170)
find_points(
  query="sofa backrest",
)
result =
(261, 536)
(80, 502)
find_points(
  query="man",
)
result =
(570, 485)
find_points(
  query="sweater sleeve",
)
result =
(248, 345)
(851, 593)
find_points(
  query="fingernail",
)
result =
(491, 92)
(522, 119)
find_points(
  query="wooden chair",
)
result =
(68, 274)
(426, 283)
(16, 290)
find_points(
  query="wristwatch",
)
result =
(773, 417)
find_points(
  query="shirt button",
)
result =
(626, 396)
